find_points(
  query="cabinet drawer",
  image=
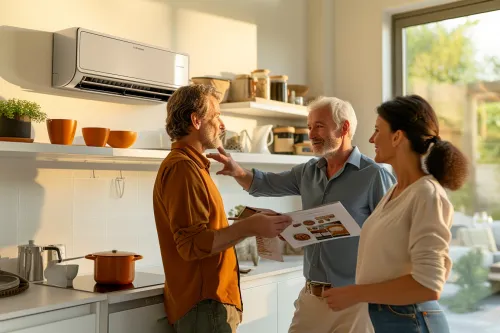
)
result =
(85, 324)
(146, 319)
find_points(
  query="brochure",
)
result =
(310, 226)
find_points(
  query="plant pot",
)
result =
(19, 127)
(114, 267)
(121, 139)
(61, 131)
(95, 136)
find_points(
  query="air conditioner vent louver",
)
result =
(124, 89)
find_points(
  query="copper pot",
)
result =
(61, 131)
(114, 267)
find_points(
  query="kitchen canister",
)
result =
(263, 84)
(242, 88)
(301, 135)
(284, 140)
(303, 148)
(279, 90)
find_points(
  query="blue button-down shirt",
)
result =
(358, 185)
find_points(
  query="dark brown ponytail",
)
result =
(416, 117)
(447, 164)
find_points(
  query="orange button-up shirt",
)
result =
(188, 209)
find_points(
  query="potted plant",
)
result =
(16, 117)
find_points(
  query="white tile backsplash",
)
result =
(71, 207)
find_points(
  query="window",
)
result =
(450, 55)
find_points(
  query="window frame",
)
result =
(423, 16)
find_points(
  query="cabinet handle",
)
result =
(161, 319)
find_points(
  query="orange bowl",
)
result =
(95, 136)
(121, 139)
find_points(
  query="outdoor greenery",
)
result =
(13, 108)
(472, 280)
(440, 54)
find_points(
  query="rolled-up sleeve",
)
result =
(270, 184)
(429, 238)
(186, 201)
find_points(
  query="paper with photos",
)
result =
(320, 224)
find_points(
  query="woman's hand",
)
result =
(341, 298)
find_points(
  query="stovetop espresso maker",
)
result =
(30, 263)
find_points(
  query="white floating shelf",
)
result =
(260, 107)
(62, 153)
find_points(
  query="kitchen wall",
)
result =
(361, 63)
(69, 203)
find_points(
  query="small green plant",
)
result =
(15, 108)
(472, 278)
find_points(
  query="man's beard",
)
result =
(328, 148)
(211, 141)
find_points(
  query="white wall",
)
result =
(62, 203)
(361, 69)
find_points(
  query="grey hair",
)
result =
(341, 111)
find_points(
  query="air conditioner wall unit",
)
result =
(84, 60)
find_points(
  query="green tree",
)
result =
(440, 54)
(472, 279)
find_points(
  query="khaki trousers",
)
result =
(312, 315)
(209, 316)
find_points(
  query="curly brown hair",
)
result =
(417, 119)
(183, 102)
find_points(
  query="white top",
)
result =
(39, 299)
(409, 234)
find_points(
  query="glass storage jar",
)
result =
(279, 90)
(263, 84)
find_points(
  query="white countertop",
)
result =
(39, 298)
(265, 268)
(43, 298)
(268, 268)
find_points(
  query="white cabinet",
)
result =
(288, 291)
(260, 309)
(85, 324)
(146, 319)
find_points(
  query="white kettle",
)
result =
(261, 139)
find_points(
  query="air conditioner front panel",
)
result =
(104, 55)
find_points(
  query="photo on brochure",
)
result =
(324, 223)
(327, 222)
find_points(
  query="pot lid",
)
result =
(114, 253)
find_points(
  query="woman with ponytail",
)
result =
(403, 260)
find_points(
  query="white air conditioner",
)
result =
(89, 61)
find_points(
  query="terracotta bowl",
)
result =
(95, 136)
(121, 139)
(61, 131)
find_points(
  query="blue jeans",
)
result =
(427, 317)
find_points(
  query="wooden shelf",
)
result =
(260, 107)
(61, 153)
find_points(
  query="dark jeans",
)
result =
(427, 317)
(209, 316)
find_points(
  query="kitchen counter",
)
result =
(266, 268)
(43, 298)
(39, 298)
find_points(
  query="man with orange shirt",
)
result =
(202, 292)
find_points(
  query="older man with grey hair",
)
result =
(338, 173)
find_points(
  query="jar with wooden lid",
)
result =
(279, 90)
(303, 148)
(263, 84)
(301, 135)
(284, 140)
(242, 88)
